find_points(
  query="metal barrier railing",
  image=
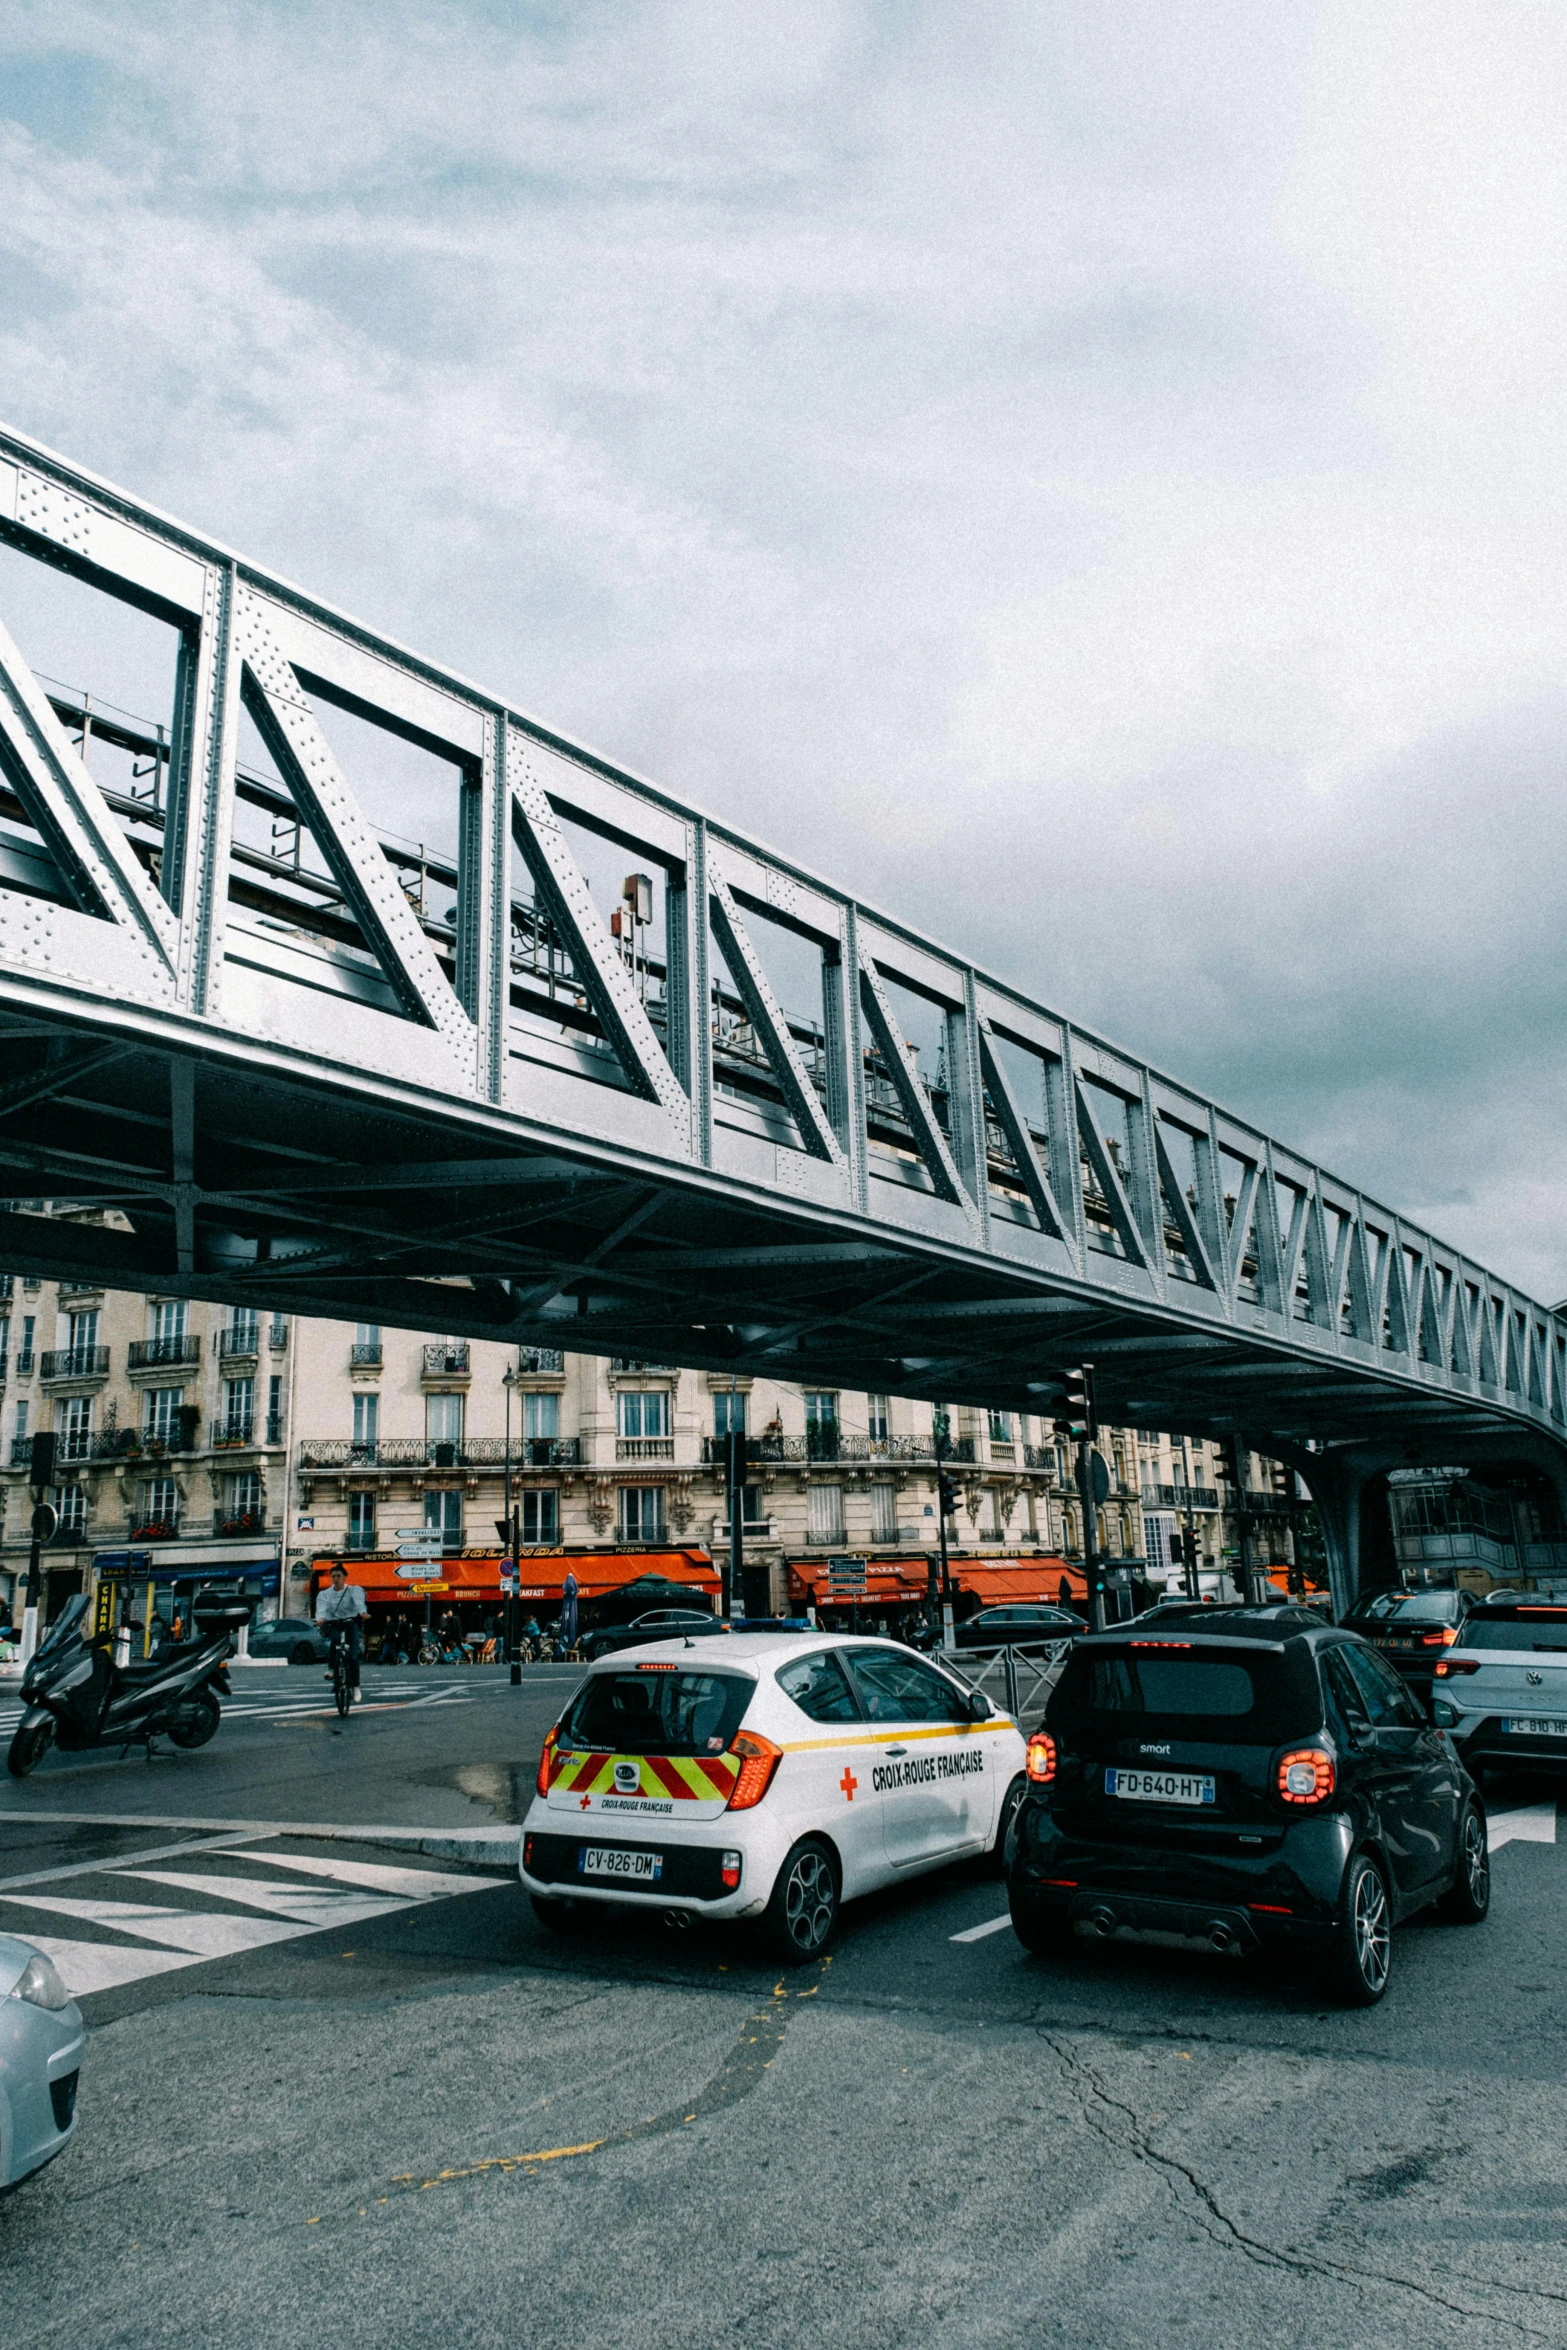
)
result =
(1016, 1677)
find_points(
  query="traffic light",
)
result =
(946, 1494)
(1177, 1550)
(42, 1471)
(1238, 1578)
(1079, 1420)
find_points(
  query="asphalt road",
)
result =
(342, 2091)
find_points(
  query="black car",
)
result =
(1017, 1625)
(659, 1623)
(293, 1638)
(1243, 1777)
(1411, 1628)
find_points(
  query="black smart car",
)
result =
(1242, 1777)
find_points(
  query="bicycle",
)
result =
(342, 1670)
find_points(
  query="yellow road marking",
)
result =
(472, 2170)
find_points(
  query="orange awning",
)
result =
(892, 1581)
(540, 1577)
(994, 1581)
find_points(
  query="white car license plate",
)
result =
(603, 1860)
(1531, 1726)
(1159, 1786)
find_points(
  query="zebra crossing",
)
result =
(242, 1900)
(401, 1694)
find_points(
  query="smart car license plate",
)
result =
(604, 1860)
(1533, 1726)
(1159, 1786)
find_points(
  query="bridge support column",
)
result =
(1350, 1496)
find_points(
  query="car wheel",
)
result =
(996, 1864)
(1469, 1899)
(1361, 1956)
(302, 1653)
(802, 1915)
(1044, 1928)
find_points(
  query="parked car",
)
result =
(1239, 1780)
(41, 2043)
(659, 1623)
(1018, 1625)
(1502, 1688)
(293, 1638)
(1411, 1628)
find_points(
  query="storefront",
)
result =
(163, 1579)
(469, 1585)
(896, 1590)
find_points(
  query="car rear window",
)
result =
(1235, 1697)
(1546, 1629)
(656, 1710)
(1411, 1607)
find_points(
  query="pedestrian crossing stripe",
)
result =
(354, 1892)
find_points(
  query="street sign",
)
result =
(45, 1519)
(846, 1577)
(417, 1533)
(418, 1550)
(423, 1590)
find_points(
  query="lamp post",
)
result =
(510, 1380)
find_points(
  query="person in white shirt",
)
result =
(342, 1602)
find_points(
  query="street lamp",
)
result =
(511, 1379)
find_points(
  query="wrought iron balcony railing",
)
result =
(73, 1444)
(233, 1432)
(634, 1363)
(243, 1522)
(422, 1452)
(277, 1337)
(158, 1354)
(155, 1529)
(365, 1354)
(75, 1362)
(241, 1338)
(24, 1363)
(1180, 1497)
(21, 1452)
(829, 1447)
(540, 1362)
(446, 1362)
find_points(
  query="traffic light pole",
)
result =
(734, 1574)
(42, 1478)
(939, 1446)
(1091, 1571)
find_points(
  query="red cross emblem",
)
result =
(585, 1803)
(848, 1783)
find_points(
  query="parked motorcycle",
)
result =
(78, 1692)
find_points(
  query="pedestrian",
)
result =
(568, 1614)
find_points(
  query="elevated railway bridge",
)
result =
(718, 1112)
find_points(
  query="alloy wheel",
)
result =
(1477, 1861)
(809, 1902)
(1371, 1929)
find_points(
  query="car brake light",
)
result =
(1456, 1664)
(1449, 1635)
(729, 1870)
(527, 1852)
(759, 1758)
(1306, 1775)
(1041, 1764)
(547, 1762)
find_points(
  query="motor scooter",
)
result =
(79, 1692)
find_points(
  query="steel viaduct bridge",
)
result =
(307, 1062)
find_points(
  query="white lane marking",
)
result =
(202, 1932)
(381, 1877)
(284, 1901)
(1532, 1823)
(974, 1933)
(106, 1966)
(131, 1860)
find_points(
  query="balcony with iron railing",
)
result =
(365, 1355)
(163, 1354)
(540, 1362)
(828, 1446)
(425, 1452)
(633, 1364)
(446, 1362)
(21, 1452)
(72, 1444)
(242, 1522)
(155, 1529)
(277, 1337)
(75, 1362)
(1180, 1497)
(242, 1340)
(233, 1433)
(24, 1363)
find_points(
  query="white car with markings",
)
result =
(765, 1776)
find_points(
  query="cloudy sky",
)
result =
(1094, 476)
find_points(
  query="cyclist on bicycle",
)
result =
(343, 1603)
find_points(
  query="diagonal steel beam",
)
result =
(783, 1055)
(929, 1140)
(1014, 1125)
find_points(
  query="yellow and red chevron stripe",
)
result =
(689, 1778)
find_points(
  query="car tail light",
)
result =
(1456, 1664)
(1449, 1635)
(547, 1762)
(759, 1758)
(527, 1852)
(1271, 1909)
(1041, 1764)
(1306, 1775)
(729, 1870)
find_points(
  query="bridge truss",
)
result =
(735, 1118)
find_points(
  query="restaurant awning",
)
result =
(541, 1578)
(995, 1581)
(891, 1581)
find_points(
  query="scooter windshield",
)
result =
(65, 1623)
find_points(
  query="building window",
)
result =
(239, 1410)
(444, 1511)
(368, 1335)
(243, 1335)
(879, 1418)
(275, 1409)
(824, 1513)
(728, 1412)
(21, 1419)
(1001, 1427)
(73, 1428)
(541, 1515)
(163, 1414)
(168, 1318)
(541, 1415)
(73, 1509)
(83, 1329)
(884, 1511)
(160, 1502)
(361, 1521)
(642, 1513)
(243, 1495)
(821, 1427)
(25, 1360)
(443, 1418)
(367, 1418)
(642, 1412)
